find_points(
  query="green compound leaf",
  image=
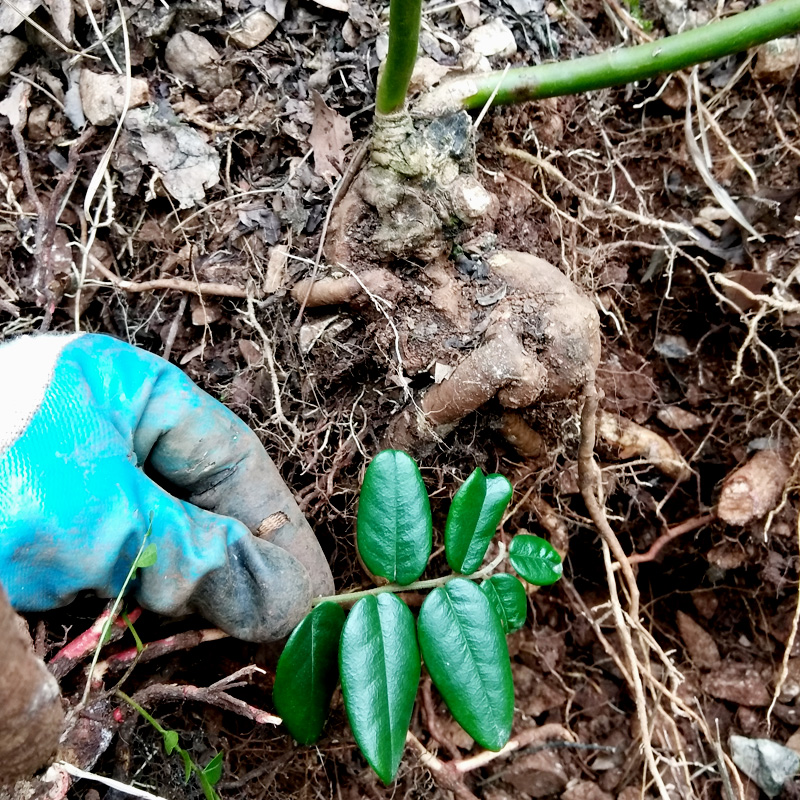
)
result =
(394, 518)
(380, 667)
(307, 672)
(475, 513)
(535, 559)
(508, 599)
(465, 652)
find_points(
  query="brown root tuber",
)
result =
(347, 289)
(754, 489)
(31, 717)
(542, 342)
(636, 441)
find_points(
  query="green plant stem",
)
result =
(404, 21)
(113, 615)
(139, 710)
(431, 583)
(625, 65)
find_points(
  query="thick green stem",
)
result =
(628, 64)
(404, 21)
(396, 588)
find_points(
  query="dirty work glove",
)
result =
(96, 439)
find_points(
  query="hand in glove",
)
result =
(98, 438)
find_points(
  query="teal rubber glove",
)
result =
(101, 441)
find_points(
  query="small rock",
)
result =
(754, 489)
(227, 100)
(586, 790)
(778, 59)
(194, 60)
(768, 763)
(493, 39)
(11, 51)
(700, 644)
(538, 774)
(738, 683)
(253, 29)
(37, 122)
(103, 96)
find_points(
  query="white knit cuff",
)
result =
(26, 369)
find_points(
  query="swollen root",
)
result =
(31, 718)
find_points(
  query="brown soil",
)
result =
(719, 599)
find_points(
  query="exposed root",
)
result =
(525, 440)
(347, 288)
(636, 440)
(31, 719)
(754, 489)
(542, 342)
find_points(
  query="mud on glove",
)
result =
(98, 438)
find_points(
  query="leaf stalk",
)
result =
(617, 67)
(431, 583)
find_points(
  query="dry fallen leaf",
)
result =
(63, 15)
(187, 163)
(330, 134)
(10, 19)
(193, 59)
(276, 269)
(11, 51)
(15, 106)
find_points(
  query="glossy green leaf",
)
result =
(380, 667)
(394, 518)
(465, 652)
(475, 513)
(307, 672)
(535, 559)
(508, 599)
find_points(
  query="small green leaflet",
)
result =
(147, 557)
(307, 672)
(535, 559)
(508, 598)
(380, 667)
(213, 770)
(394, 518)
(170, 741)
(474, 515)
(465, 652)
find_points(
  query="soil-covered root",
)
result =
(417, 188)
(635, 441)
(754, 489)
(348, 289)
(542, 343)
(31, 718)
